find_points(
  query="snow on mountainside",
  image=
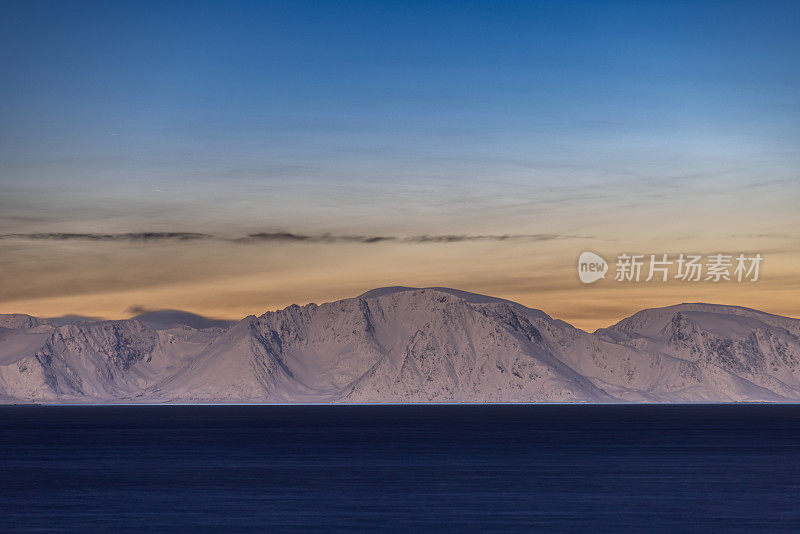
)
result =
(160, 319)
(406, 345)
(19, 320)
(758, 352)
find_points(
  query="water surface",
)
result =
(555, 468)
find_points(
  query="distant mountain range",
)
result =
(404, 345)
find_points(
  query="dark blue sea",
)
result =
(448, 468)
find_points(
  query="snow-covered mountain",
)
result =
(406, 345)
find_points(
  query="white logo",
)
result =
(662, 267)
(591, 267)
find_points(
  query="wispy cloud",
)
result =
(287, 237)
(312, 238)
(424, 238)
(773, 235)
(489, 237)
(129, 236)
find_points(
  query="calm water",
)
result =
(445, 468)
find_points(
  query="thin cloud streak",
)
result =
(129, 236)
(370, 239)
(292, 237)
(286, 237)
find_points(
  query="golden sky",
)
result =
(377, 131)
(229, 278)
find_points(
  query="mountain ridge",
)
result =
(400, 344)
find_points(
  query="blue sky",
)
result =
(125, 94)
(400, 117)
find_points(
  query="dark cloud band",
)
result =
(446, 238)
(141, 236)
(486, 237)
(313, 238)
(286, 237)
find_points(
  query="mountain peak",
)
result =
(474, 298)
(405, 344)
(19, 320)
(162, 319)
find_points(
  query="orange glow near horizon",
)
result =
(231, 280)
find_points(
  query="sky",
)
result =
(141, 143)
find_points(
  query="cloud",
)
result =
(486, 237)
(287, 237)
(138, 309)
(425, 238)
(312, 238)
(766, 236)
(130, 236)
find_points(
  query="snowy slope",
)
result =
(19, 320)
(408, 345)
(161, 319)
(740, 352)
